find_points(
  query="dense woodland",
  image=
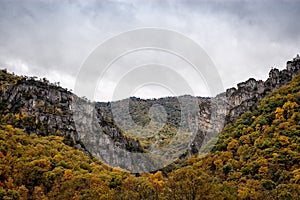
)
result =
(256, 157)
(148, 116)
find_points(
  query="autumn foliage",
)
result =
(256, 157)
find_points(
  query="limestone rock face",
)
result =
(49, 110)
(250, 92)
(216, 112)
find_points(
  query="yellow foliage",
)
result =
(9, 127)
(68, 174)
(296, 178)
(157, 179)
(218, 163)
(257, 127)
(17, 116)
(58, 157)
(245, 139)
(290, 97)
(290, 107)
(117, 169)
(43, 163)
(275, 155)
(9, 183)
(23, 192)
(38, 193)
(57, 132)
(283, 140)
(231, 145)
(261, 161)
(250, 190)
(226, 155)
(279, 113)
(263, 169)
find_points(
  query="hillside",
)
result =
(133, 115)
(40, 107)
(256, 157)
(150, 115)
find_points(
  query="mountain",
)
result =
(45, 109)
(40, 107)
(256, 155)
(214, 113)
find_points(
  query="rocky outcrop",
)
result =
(248, 93)
(46, 109)
(216, 112)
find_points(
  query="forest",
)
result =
(256, 157)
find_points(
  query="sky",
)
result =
(53, 39)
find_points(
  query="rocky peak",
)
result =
(46, 109)
(216, 112)
(248, 93)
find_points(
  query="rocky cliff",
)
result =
(43, 108)
(248, 93)
(216, 112)
(40, 107)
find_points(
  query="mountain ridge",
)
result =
(47, 108)
(256, 156)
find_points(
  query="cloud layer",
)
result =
(53, 38)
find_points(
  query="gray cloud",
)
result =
(53, 38)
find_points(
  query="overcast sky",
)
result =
(53, 38)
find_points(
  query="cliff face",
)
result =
(46, 109)
(49, 105)
(216, 112)
(248, 93)
(43, 108)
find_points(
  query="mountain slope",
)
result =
(46, 109)
(35, 167)
(40, 107)
(256, 157)
(259, 153)
(214, 112)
